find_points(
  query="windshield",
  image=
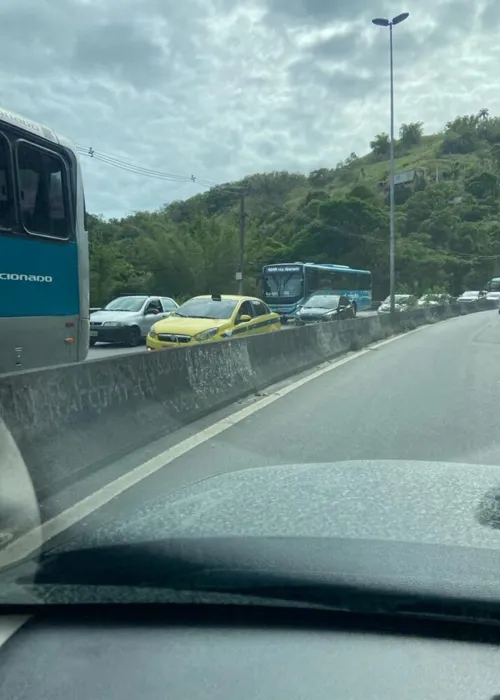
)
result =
(284, 285)
(242, 159)
(126, 304)
(322, 302)
(207, 308)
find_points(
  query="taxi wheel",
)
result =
(134, 336)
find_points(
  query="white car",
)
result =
(127, 319)
(434, 300)
(402, 302)
(493, 296)
(469, 296)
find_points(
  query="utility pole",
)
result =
(241, 254)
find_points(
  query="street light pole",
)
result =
(381, 22)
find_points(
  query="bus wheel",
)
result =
(134, 336)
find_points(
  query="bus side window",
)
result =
(7, 206)
(311, 276)
(42, 189)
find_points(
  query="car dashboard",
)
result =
(195, 652)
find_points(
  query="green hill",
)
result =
(447, 221)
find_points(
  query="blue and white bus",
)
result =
(44, 264)
(286, 286)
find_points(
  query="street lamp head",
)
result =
(381, 22)
(400, 18)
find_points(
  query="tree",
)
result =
(482, 185)
(447, 233)
(381, 145)
(411, 134)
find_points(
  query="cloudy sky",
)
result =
(223, 88)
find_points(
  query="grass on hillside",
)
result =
(369, 170)
(365, 171)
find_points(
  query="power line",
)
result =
(132, 167)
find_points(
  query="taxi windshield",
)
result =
(207, 308)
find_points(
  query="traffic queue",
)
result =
(162, 323)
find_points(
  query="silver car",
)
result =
(402, 302)
(128, 319)
(470, 296)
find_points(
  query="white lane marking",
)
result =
(9, 626)
(30, 542)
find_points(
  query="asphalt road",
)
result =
(109, 350)
(433, 394)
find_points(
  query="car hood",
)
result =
(103, 316)
(401, 528)
(421, 502)
(188, 326)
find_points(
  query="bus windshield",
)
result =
(283, 284)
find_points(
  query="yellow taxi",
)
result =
(215, 317)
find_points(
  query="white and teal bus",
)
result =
(44, 259)
(286, 286)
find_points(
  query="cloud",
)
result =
(220, 88)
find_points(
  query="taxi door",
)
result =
(243, 328)
(264, 321)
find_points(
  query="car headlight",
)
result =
(206, 335)
(113, 323)
(152, 333)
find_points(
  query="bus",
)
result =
(286, 286)
(493, 285)
(44, 260)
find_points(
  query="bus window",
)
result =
(326, 279)
(363, 281)
(85, 216)
(42, 190)
(7, 207)
(313, 280)
(344, 280)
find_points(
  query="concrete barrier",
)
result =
(72, 419)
